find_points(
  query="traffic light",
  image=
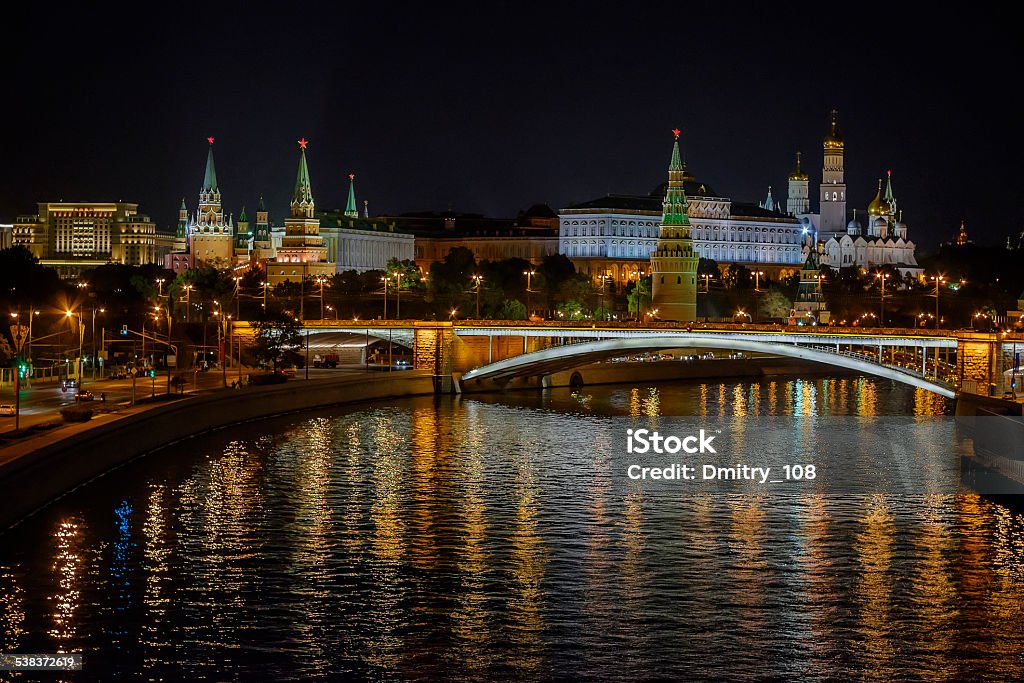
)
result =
(152, 373)
(124, 330)
(22, 369)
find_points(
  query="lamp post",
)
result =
(320, 281)
(707, 282)
(160, 287)
(265, 285)
(81, 340)
(757, 280)
(398, 293)
(188, 303)
(882, 277)
(938, 279)
(333, 310)
(102, 310)
(385, 280)
(478, 279)
(529, 275)
(238, 298)
(604, 281)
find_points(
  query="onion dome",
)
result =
(853, 225)
(880, 222)
(798, 173)
(878, 206)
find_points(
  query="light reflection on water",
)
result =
(487, 537)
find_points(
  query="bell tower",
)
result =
(833, 185)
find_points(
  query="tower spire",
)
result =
(350, 208)
(302, 199)
(210, 179)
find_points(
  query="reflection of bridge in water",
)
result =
(940, 361)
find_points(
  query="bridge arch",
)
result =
(564, 357)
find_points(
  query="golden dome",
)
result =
(834, 139)
(878, 206)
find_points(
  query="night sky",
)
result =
(493, 107)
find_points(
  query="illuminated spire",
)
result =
(834, 137)
(350, 208)
(303, 192)
(210, 179)
(675, 209)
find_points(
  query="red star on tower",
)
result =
(351, 176)
(303, 142)
(676, 132)
(210, 140)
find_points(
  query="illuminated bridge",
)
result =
(500, 352)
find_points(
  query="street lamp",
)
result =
(938, 279)
(882, 277)
(160, 286)
(478, 279)
(757, 280)
(453, 313)
(742, 312)
(334, 310)
(604, 281)
(707, 282)
(81, 340)
(102, 310)
(398, 292)
(529, 274)
(265, 285)
(385, 280)
(320, 281)
(188, 303)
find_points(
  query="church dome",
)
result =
(878, 206)
(853, 225)
(798, 173)
(834, 139)
(880, 222)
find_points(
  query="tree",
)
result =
(410, 272)
(512, 309)
(737, 277)
(571, 310)
(638, 299)
(450, 279)
(774, 304)
(278, 339)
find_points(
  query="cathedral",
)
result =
(881, 240)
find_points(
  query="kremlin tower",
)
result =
(302, 252)
(674, 263)
(210, 238)
(833, 184)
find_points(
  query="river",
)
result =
(485, 538)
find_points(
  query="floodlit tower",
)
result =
(674, 262)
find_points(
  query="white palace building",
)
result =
(615, 235)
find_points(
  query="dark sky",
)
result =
(492, 107)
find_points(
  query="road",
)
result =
(42, 403)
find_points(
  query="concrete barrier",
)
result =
(36, 478)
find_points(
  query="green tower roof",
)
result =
(675, 208)
(260, 207)
(350, 207)
(242, 218)
(210, 179)
(303, 191)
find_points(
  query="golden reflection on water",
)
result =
(157, 591)
(351, 532)
(932, 579)
(928, 403)
(773, 398)
(867, 397)
(68, 569)
(471, 619)
(528, 564)
(387, 547)
(817, 564)
(874, 547)
(12, 611)
(747, 536)
(313, 539)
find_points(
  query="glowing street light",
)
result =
(477, 279)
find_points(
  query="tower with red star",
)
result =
(674, 262)
(210, 237)
(302, 253)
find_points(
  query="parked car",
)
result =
(7, 409)
(84, 395)
(329, 360)
(402, 364)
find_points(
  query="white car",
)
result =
(7, 409)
